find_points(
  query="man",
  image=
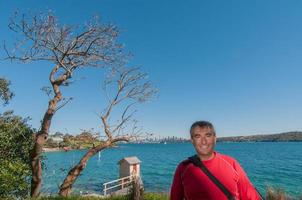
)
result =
(192, 183)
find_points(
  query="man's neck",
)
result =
(206, 157)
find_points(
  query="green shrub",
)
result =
(16, 141)
(275, 194)
(156, 196)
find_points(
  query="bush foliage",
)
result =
(16, 141)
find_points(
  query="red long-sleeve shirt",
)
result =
(191, 183)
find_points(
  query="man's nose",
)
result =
(203, 140)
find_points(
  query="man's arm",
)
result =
(177, 192)
(246, 189)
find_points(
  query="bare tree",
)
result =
(66, 48)
(124, 88)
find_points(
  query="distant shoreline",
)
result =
(57, 149)
(281, 137)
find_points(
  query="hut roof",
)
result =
(130, 160)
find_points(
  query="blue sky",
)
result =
(237, 64)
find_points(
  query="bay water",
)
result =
(267, 164)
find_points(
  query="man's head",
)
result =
(203, 138)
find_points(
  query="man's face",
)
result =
(204, 140)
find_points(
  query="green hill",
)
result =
(294, 136)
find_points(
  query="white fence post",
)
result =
(122, 182)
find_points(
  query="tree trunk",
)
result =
(36, 165)
(66, 187)
(36, 180)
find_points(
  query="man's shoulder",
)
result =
(185, 162)
(228, 161)
(227, 158)
(183, 167)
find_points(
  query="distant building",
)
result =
(57, 137)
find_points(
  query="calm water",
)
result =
(267, 164)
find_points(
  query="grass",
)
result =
(147, 196)
(271, 194)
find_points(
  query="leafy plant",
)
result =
(16, 141)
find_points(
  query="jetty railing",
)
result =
(120, 183)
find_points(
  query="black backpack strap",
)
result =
(196, 161)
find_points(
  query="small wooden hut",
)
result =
(129, 166)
